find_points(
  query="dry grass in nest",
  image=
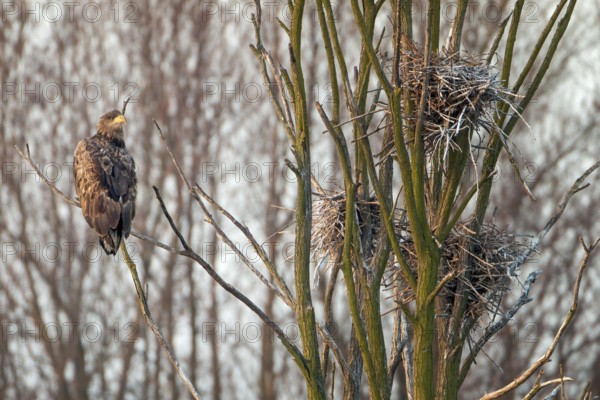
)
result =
(329, 216)
(484, 280)
(461, 93)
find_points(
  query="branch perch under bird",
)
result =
(150, 321)
(26, 155)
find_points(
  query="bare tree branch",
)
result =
(539, 385)
(286, 296)
(535, 243)
(327, 338)
(495, 328)
(546, 356)
(155, 329)
(27, 157)
(190, 253)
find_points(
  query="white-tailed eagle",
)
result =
(105, 181)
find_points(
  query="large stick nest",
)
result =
(461, 93)
(479, 265)
(480, 268)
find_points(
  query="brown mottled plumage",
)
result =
(105, 181)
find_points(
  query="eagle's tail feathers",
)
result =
(111, 242)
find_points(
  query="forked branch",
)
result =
(545, 358)
(190, 253)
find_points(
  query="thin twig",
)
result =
(535, 243)
(27, 157)
(330, 341)
(397, 341)
(497, 326)
(561, 330)
(441, 285)
(127, 100)
(150, 321)
(156, 243)
(515, 165)
(407, 357)
(190, 253)
(285, 294)
(537, 386)
(584, 392)
(497, 39)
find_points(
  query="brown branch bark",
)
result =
(545, 358)
(190, 253)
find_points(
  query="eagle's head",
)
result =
(111, 125)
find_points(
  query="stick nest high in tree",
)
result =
(481, 273)
(462, 98)
(484, 278)
(462, 95)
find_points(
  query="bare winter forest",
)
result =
(246, 124)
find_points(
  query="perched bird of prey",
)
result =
(105, 181)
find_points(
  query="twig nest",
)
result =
(462, 93)
(481, 270)
(329, 220)
(479, 264)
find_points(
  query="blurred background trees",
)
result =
(70, 325)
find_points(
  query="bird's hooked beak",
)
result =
(120, 120)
